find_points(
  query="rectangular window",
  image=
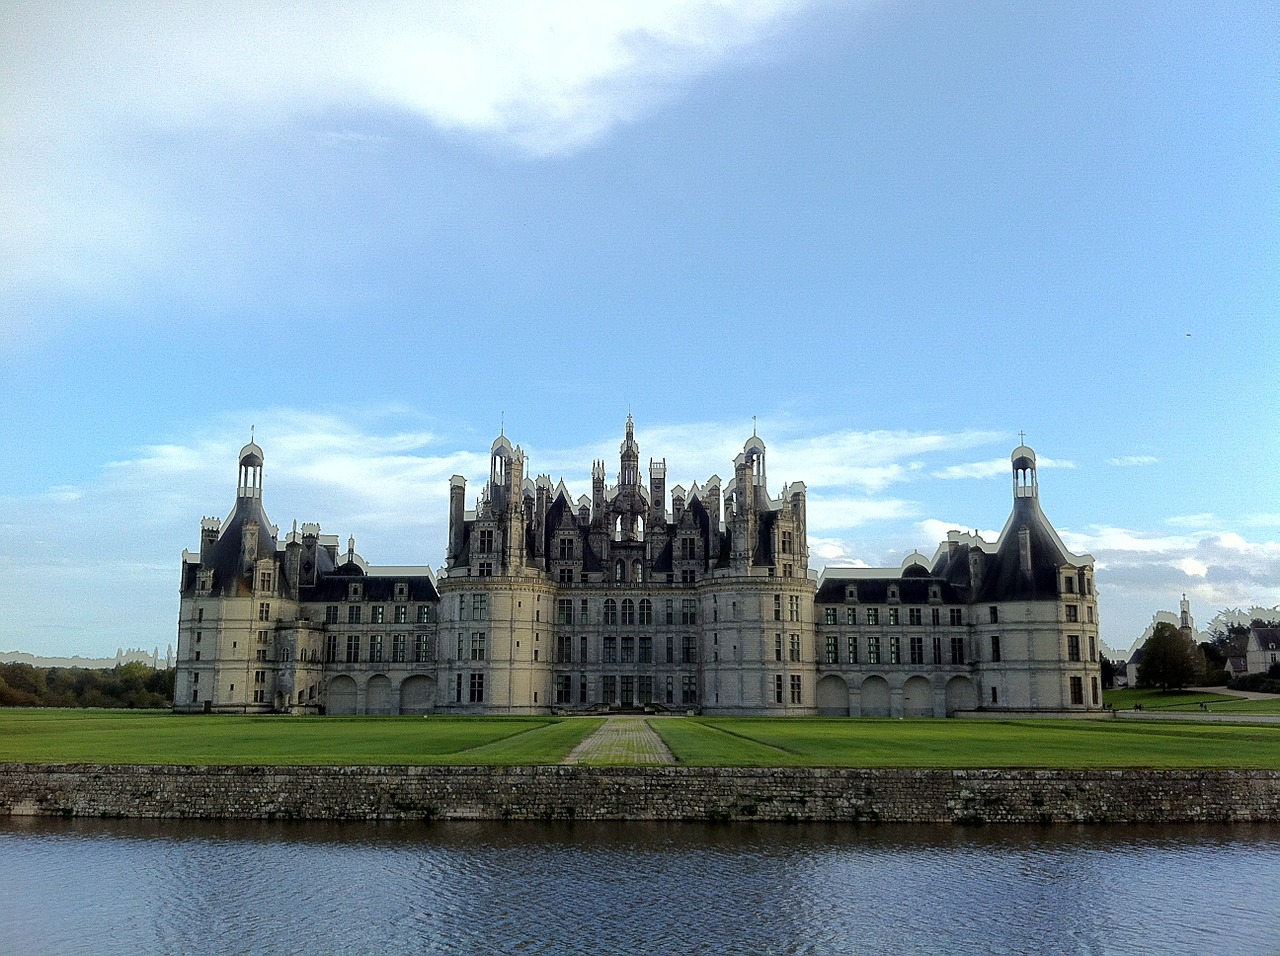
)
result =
(777, 688)
(957, 616)
(795, 647)
(264, 581)
(402, 614)
(462, 646)
(873, 649)
(777, 647)
(375, 648)
(793, 607)
(832, 653)
(777, 607)
(688, 549)
(937, 650)
(421, 648)
(628, 612)
(1073, 647)
(565, 575)
(829, 616)
(479, 607)
(564, 689)
(688, 690)
(689, 649)
(646, 650)
(688, 576)
(671, 693)
(645, 689)
(957, 650)
(477, 689)
(628, 650)
(646, 612)
(995, 648)
(1093, 648)
(689, 611)
(1094, 682)
(917, 649)
(264, 611)
(671, 649)
(994, 613)
(377, 612)
(397, 649)
(853, 650)
(582, 612)
(564, 650)
(915, 616)
(424, 613)
(566, 549)
(331, 614)
(609, 689)
(582, 688)
(895, 649)
(893, 616)
(353, 648)
(671, 613)
(936, 616)
(1073, 613)
(331, 649)
(457, 695)
(610, 650)
(850, 616)
(353, 613)
(627, 693)
(1088, 609)
(477, 645)
(564, 610)
(1077, 690)
(582, 649)
(485, 540)
(786, 542)
(795, 688)
(873, 615)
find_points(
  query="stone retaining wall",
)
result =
(641, 793)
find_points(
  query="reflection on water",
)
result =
(152, 887)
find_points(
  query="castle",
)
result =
(697, 599)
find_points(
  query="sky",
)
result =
(889, 235)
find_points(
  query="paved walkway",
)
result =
(622, 740)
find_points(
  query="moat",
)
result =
(93, 886)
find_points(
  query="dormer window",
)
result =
(851, 593)
(1069, 584)
(893, 592)
(485, 542)
(402, 592)
(355, 592)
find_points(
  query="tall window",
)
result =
(564, 610)
(994, 613)
(853, 649)
(353, 648)
(793, 607)
(264, 611)
(895, 649)
(1094, 682)
(485, 543)
(795, 647)
(893, 615)
(628, 611)
(689, 611)
(689, 649)
(479, 607)
(937, 650)
(331, 649)
(995, 648)
(331, 614)
(688, 549)
(375, 648)
(851, 616)
(1077, 690)
(829, 616)
(477, 688)
(786, 542)
(873, 649)
(957, 650)
(777, 607)
(1073, 613)
(628, 650)
(564, 649)
(832, 653)
(353, 613)
(777, 647)
(566, 549)
(917, 649)
(873, 615)
(610, 611)
(610, 655)
(397, 648)
(1093, 648)
(777, 688)
(477, 645)
(421, 648)
(795, 688)
(915, 615)
(957, 616)
(402, 614)
(424, 613)
(688, 690)
(376, 614)
(646, 611)
(646, 649)
(1073, 647)
(564, 689)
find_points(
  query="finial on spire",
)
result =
(1022, 438)
(753, 427)
(502, 427)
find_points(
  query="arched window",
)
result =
(646, 611)
(636, 574)
(619, 567)
(628, 611)
(610, 611)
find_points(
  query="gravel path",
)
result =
(622, 740)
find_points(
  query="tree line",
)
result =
(1171, 660)
(125, 685)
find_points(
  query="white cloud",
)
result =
(993, 468)
(81, 86)
(1191, 567)
(1131, 461)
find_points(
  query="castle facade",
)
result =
(638, 596)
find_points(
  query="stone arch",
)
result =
(833, 696)
(917, 697)
(377, 695)
(875, 697)
(417, 695)
(961, 695)
(340, 695)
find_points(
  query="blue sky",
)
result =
(894, 233)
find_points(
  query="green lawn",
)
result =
(968, 743)
(120, 736)
(1189, 701)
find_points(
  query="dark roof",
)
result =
(1268, 638)
(911, 590)
(229, 577)
(335, 587)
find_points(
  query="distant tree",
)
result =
(1108, 673)
(1170, 659)
(1214, 657)
(1230, 639)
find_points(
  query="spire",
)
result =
(250, 484)
(1025, 484)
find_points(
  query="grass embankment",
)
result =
(1189, 701)
(156, 737)
(1066, 744)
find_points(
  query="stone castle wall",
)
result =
(641, 793)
